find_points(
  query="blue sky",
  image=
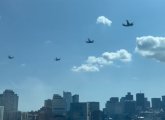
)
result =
(120, 60)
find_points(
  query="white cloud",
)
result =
(93, 64)
(121, 55)
(151, 47)
(103, 20)
(86, 68)
(98, 60)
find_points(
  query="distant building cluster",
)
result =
(68, 107)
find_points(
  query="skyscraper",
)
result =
(114, 99)
(48, 103)
(163, 98)
(140, 101)
(163, 102)
(93, 108)
(129, 107)
(9, 100)
(58, 105)
(1, 112)
(79, 111)
(75, 98)
(113, 106)
(129, 96)
(156, 103)
(68, 98)
(147, 103)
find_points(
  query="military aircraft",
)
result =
(57, 59)
(11, 57)
(128, 24)
(90, 41)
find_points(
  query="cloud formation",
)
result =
(85, 68)
(93, 64)
(121, 55)
(103, 20)
(151, 47)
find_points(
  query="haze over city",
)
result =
(34, 33)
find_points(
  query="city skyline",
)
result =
(72, 98)
(121, 59)
(68, 107)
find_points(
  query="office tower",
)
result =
(75, 98)
(140, 101)
(68, 98)
(9, 100)
(114, 99)
(58, 105)
(114, 107)
(45, 113)
(163, 102)
(48, 103)
(79, 111)
(156, 103)
(163, 98)
(122, 99)
(129, 96)
(1, 112)
(129, 107)
(147, 103)
(93, 108)
(97, 115)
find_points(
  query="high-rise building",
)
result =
(48, 103)
(45, 113)
(163, 98)
(58, 105)
(129, 107)
(114, 99)
(114, 107)
(147, 103)
(97, 115)
(163, 102)
(79, 111)
(122, 99)
(129, 96)
(140, 101)
(156, 103)
(9, 100)
(68, 98)
(93, 108)
(1, 112)
(75, 98)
